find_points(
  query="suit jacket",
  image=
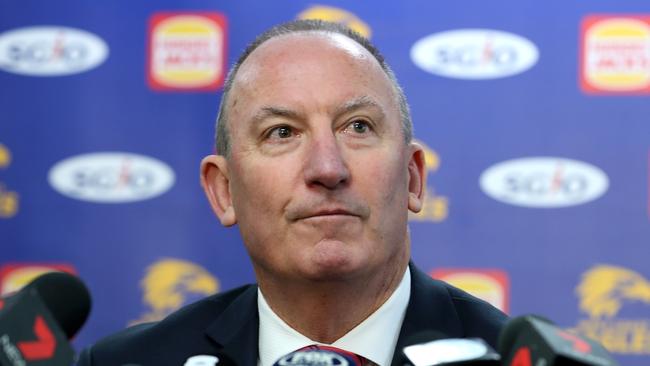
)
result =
(228, 323)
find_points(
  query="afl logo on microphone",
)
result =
(544, 182)
(111, 177)
(474, 54)
(314, 358)
(50, 51)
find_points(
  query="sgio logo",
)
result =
(111, 177)
(544, 182)
(474, 54)
(50, 51)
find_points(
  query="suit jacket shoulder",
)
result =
(224, 323)
(438, 306)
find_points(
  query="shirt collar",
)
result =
(375, 338)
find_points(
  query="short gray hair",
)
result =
(297, 26)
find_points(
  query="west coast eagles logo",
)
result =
(171, 283)
(606, 290)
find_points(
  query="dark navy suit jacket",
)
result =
(228, 323)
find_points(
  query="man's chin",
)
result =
(332, 260)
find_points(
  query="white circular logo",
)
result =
(544, 182)
(474, 54)
(111, 177)
(50, 51)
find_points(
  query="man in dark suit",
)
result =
(317, 167)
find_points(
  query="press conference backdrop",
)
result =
(535, 116)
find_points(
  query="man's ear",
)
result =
(215, 180)
(417, 177)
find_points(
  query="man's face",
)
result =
(319, 178)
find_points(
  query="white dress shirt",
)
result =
(374, 338)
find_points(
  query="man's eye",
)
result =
(281, 132)
(359, 126)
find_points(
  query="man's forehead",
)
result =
(285, 47)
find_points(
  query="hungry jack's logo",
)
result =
(615, 57)
(435, 208)
(171, 283)
(187, 51)
(606, 290)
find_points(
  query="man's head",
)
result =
(318, 175)
(222, 139)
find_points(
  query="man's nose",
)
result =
(325, 164)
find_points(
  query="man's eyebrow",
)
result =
(359, 103)
(272, 111)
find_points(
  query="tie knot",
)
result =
(316, 355)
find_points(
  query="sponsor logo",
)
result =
(544, 182)
(8, 198)
(615, 55)
(15, 276)
(111, 177)
(187, 51)
(603, 292)
(171, 283)
(491, 285)
(202, 360)
(435, 208)
(337, 15)
(474, 54)
(50, 51)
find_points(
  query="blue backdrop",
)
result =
(534, 114)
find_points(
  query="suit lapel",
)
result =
(236, 329)
(430, 308)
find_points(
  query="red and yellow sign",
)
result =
(615, 57)
(15, 276)
(491, 285)
(187, 51)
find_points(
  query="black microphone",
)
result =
(532, 340)
(434, 348)
(37, 321)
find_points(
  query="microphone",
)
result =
(433, 348)
(37, 321)
(319, 356)
(532, 340)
